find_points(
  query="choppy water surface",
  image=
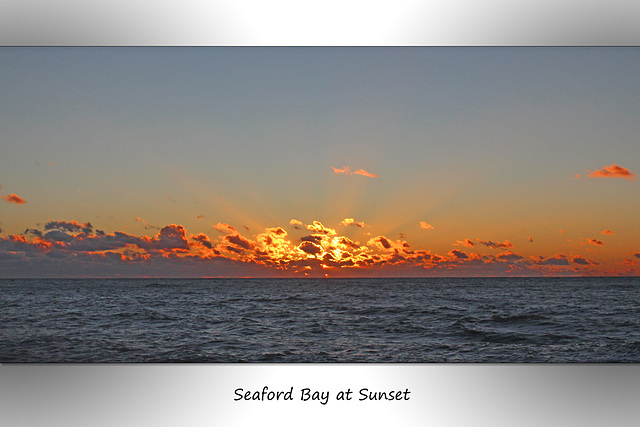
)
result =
(326, 320)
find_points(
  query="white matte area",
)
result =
(203, 395)
(328, 22)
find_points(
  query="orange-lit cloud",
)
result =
(607, 232)
(509, 256)
(458, 254)
(426, 226)
(296, 224)
(595, 242)
(346, 170)
(81, 249)
(494, 245)
(225, 228)
(12, 198)
(582, 261)
(317, 227)
(203, 239)
(557, 260)
(352, 222)
(613, 171)
(365, 173)
(465, 242)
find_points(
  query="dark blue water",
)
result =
(325, 320)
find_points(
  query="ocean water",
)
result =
(514, 320)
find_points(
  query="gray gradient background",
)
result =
(202, 395)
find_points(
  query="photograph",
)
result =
(320, 204)
(361, 230)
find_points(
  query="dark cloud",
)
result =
(557, 260)
(384, 242)
(508, 256)
(71, 226)
(458, 254)
(58, 236)
(580, 260)
(312, 238)
(172, 237)
(240, 241)
(310, 248)
(203, 239)
(494, 245)
(33, 231)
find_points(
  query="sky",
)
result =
(319, 162)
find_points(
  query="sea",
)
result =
(381, 320)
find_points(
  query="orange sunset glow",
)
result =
(322, 162)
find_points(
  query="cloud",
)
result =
(203, 239)
(465, 242)
(365, 173)
(458, 254)
(240, 241)
(12, 198)
(70, 226)
(348, 243)
(58, 236)
(33, 231)
(382, 241)
(172, 237)
(426, 226)
(494, 245)
(352, 222)
(613, 171)
(346, 170)
(225, 228)
(595, 242)
(558, 260)
(317, 227)
(77, 249)
(508, 256)
(317, 239)
(296, 224)
(582, 261)
(608, 232)
(147, 226)
(310, 248)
